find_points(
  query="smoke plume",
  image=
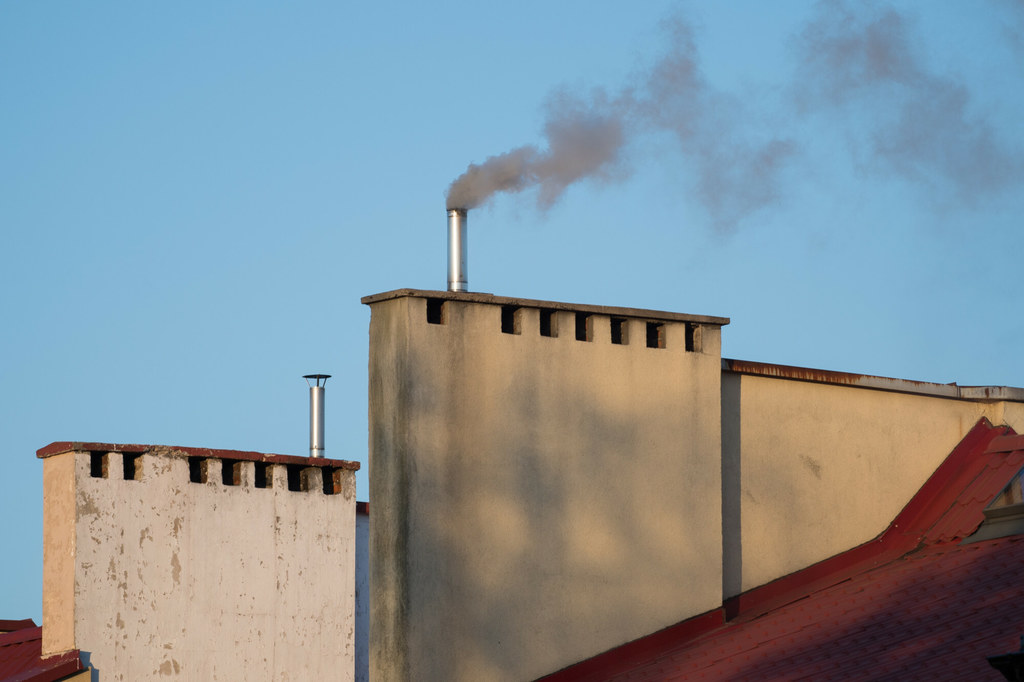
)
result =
(584, 139)
(587, 139)
(856, 66)
(918, 124)
(737, 164)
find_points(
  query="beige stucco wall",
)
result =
(536, 500)
(59, 553)
(199, 581)
(813, 469)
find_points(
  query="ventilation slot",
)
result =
(620, 331)
(693, 337)
(230, 472)
(132, 468)
(510, 319)
(655, 335)
(435, 311)
(332, 480)
(584, 327)
(263, 475)
(98, 464)
(295, 477)
(548, 323)
(197, 469)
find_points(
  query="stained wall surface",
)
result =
(537, 498)
(811, 469)
(157, 576)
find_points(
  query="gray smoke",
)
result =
(587, 138)
(855, 65)
(584, 139)
(738, 166)
(912, 122)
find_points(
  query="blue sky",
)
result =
(193, 198)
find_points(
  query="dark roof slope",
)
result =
(911, 604)
(21, 656)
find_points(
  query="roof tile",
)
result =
(21, 657)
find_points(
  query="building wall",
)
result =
(536, 500)
(159, 576)
(811, 469)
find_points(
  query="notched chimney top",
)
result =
(61, 447)
(491, 299)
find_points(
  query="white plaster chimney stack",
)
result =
(458, 248)
(316, 412)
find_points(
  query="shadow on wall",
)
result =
(86, 657)
(545, 555)
(732, 489)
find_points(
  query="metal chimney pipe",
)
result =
(458, 248)
(316, 413)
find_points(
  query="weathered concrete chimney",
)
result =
(196, 563)
(510, 440)
(458, 247)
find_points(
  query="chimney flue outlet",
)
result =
(316, 412)
(458, 267)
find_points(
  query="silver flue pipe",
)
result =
(316, 412)
(458, 248)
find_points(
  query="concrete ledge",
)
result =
(60, 447)
(491, 299)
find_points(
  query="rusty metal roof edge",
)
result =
(823, 376)
(1009, 393)
(60, 447)
(491, 299)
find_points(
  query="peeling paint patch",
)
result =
(86, 506)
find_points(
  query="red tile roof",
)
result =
(21, 652)
(911, 604)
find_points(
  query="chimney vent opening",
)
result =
(294, 477)
(98, 464)
(584, 327)
(693, 337)
(548, 323)
(262, 475)
(131, 466)
(230, 472)
(655, 335)
(510, 319)
(435, 311)
(620, 331)
(196, 470)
